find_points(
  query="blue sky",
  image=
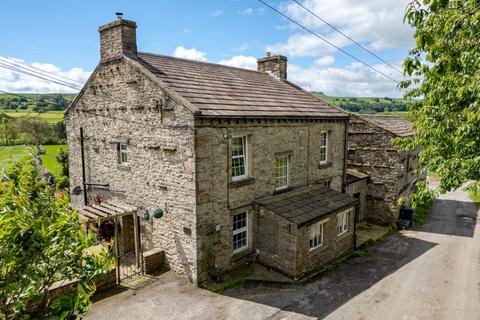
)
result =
(62, 37)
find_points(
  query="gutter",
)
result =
(306, 117)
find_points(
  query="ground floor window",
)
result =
(240, 231)
(342, 221)
(316, 234)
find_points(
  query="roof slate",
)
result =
(393, 124)
(354, 176)
(222, 91)
(306, 204)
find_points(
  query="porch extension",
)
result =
(304, 229)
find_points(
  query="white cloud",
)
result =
(217, 13)
(353, 80)
(192, 54)
(375, 23)
(324, 61)
(242, 47)
(251, 11)
(247, 11)
(245, 62)
(12, 81)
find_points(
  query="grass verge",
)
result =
(10, 154)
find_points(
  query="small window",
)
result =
(326, 183)
(240, 231)
(342, 222)
(323, 147)
(282, 172)
(239, 158)
(316, 234)
(122, 153)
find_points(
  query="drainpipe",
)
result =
(355, 217)
(345, 154)
(84, 182)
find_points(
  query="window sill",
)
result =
(317, 250)
(343, 235)
(123, 166)
(325, 165)
(243, 182)
(242, 253)
(282, 190)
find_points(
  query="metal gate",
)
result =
(129, 251)
(127, 243)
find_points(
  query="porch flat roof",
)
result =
(307, 204)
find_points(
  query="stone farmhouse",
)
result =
(379, 170)
(245, 165)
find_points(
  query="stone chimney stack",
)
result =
(118, 38)
(274, 65)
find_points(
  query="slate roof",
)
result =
(393, 124)
(354, 176)
(307, 204)
(229, 92)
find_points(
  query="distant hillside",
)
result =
(35, 102)
(50, 102)
(365, 105)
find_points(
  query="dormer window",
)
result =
(324, 147)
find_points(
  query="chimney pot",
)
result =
(118, 38)
(275, 65)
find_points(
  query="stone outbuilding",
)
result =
(245, 165)
(357, 186)
(392, 173)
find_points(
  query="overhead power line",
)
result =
(16, 69)
(53, 74)
(349, 38)
(330, 43)
(36, 75)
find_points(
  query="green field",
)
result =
(50, 116)
(12, 153)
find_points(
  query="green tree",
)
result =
(444, 81)
(41, 242)
(8, 129)
(62, 158)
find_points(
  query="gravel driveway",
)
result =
(432, 272)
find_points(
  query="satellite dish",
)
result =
(119, 15)
(77, 190)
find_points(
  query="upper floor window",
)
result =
(122, 153)
(323, 147)
(240, 231)
(282, 172)
(342, 221)
(239, 158)
(316, 234)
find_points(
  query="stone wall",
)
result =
(120, 104)
(218, 198)
(360, 188)
(371, 151)
(277, 242)
(333, 246)
(285, 246)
